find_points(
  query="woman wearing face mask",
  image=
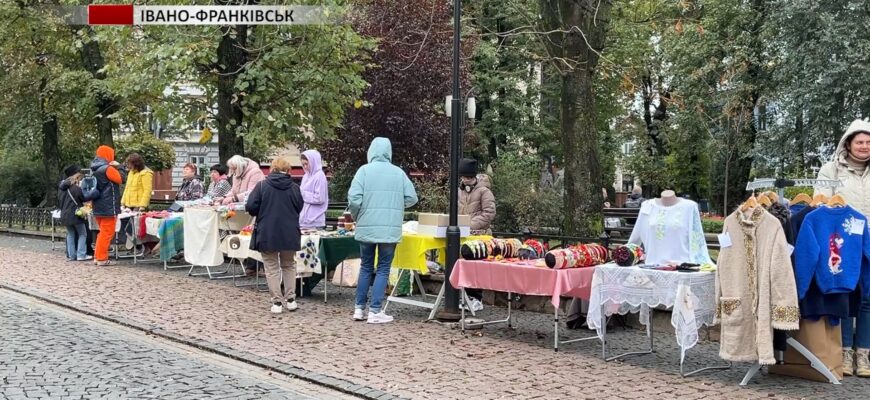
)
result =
(849, 165)
(476, 201)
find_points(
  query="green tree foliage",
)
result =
(159, 154)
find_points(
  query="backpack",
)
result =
(89, 187)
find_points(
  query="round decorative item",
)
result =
(628, 255)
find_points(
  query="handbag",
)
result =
(82, 211)
(347, 273)
(254, 246)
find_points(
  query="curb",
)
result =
(338, 384)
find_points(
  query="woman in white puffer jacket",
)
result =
(850, 166)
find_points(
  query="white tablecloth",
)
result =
(201, 240)
(621, 290)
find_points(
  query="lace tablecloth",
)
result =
(620, 290)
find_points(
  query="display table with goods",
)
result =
(410, 258)
(168, 228)
(677, 274)
(640, 289)
(514, 267)
(316, 248)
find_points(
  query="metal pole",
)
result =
(451, 295)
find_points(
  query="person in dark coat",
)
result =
(276, 203)
(70, 199)
(110, 175)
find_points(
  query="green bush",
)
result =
(21, 182)
(791, 192)
(432, 193)
(158, 154)
(520, 202)
(712, 225)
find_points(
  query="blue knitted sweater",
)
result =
(832, 246)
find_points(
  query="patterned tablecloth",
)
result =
(620, 290)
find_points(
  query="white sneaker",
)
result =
(277, 308)
(291, 305)
(359, 314)
(379, 318)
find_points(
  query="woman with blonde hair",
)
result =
(276, 203)
(246, 175)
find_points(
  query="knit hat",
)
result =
(467, 167)
(106, 152)
(71, 170)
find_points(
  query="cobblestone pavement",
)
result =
(408, 358)
(49, 352)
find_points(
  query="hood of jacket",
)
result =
(315, 162)
(106, 153)
(279, 180)
(855, 127)
(98, 163)
(380, 150)
(484, 181)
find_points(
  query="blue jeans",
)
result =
(385, 253)
(76, 241)
(861, 334)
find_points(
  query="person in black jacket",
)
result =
(276, 203)
(70, 199)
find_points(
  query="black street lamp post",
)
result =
(451, 295)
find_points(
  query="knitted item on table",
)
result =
(583, 255)
(475, 250)
(627, 255)
(527, 253)
(506, 248)
(536, 246)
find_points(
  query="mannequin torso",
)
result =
(668, 198)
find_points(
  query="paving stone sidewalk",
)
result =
(409, 358)
(49, 353)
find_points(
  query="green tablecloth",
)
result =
(333, 250)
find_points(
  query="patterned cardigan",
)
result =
(755, 287)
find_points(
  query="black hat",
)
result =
(467, 167)
(71, 170)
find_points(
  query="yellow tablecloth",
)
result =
(411, 251)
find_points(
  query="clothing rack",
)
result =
(780, 184)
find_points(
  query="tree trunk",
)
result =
(586, 23)
(50, 150)
(93, 62)
(232, 57)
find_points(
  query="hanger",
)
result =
(836, 201)
(801, 198)
(764, 201)
(750, 203)
(819, 199)
(772, 196)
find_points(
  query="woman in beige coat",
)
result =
(477, 201)
(849, 165)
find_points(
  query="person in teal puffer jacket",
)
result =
(378, 196)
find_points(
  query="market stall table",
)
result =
(410, 256)
(620, 290)
(524, 277)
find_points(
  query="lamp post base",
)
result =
(446, 316)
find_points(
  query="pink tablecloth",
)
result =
(523, 279)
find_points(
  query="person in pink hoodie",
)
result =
(246, 175)
(315, 192)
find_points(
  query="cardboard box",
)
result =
(441, 231)
(433, 219)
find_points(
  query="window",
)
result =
(198, 160)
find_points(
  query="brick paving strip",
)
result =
(406, 359)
